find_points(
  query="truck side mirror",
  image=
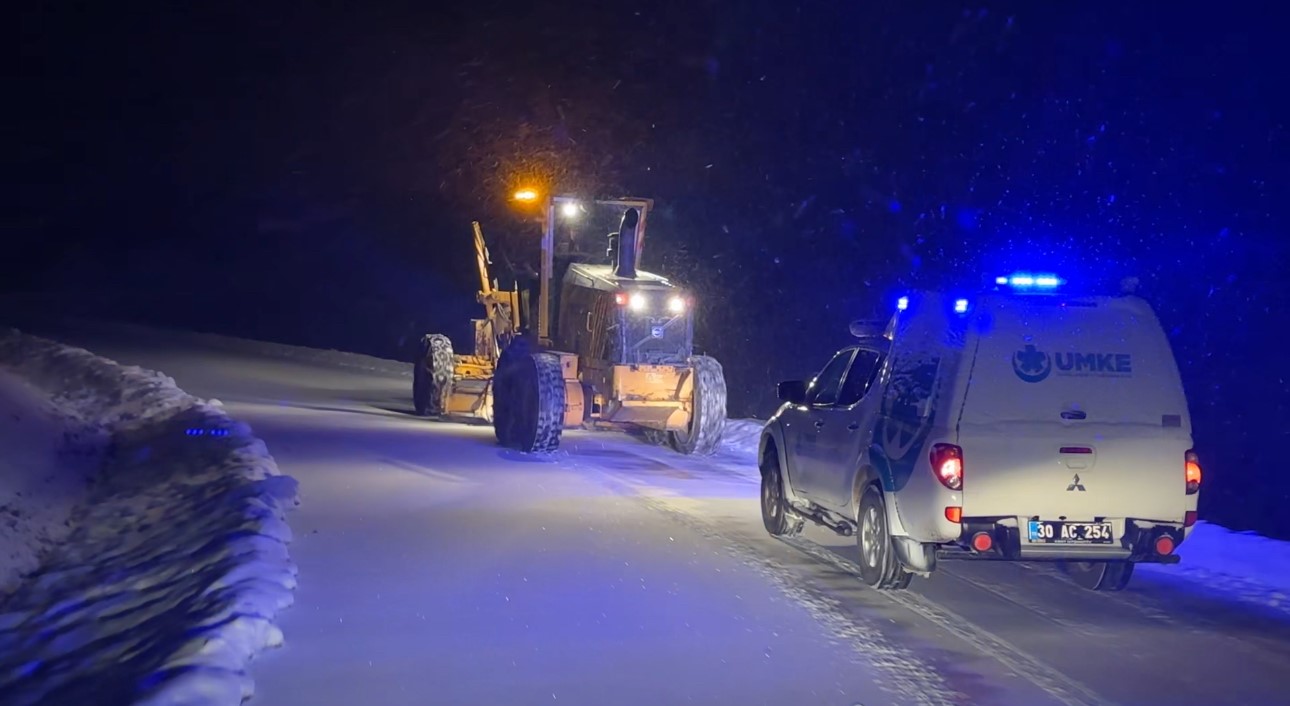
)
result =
(792, 391)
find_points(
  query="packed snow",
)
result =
(48, 461)
(176, 565)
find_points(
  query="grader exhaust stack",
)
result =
(625, 262)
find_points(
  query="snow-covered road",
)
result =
(435, 567)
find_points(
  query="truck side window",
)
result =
(864, 369)
(824, 389)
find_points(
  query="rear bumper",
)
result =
(1137, 544)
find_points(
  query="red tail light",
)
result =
(954, 514)
(620, 298)
(947, 464)
(1191, 472)
(1189, 518)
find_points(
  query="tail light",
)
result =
(947, 464)
(1191, 472)
(620, 298)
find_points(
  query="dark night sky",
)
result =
(308, 175)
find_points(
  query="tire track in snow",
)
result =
(907, 677)
(1053, 682)
(908, 672)
(1021, 600)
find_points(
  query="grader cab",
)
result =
(613, 345)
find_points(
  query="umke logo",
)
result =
(1033, 365)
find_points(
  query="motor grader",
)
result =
(607, 346)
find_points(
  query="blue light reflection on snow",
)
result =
(199, 431)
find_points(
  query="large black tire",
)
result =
(432, 375)
(528, 399)
(708, 420)
(775, 512)
(1099, 575)
(879, 566)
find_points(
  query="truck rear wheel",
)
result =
(1099, 575)
(879, 566)
(432, 375)
(708, 413)
(528, 399)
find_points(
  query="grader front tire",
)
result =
(708, 419)
(528, 399)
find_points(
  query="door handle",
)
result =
(853, 426)
(819, 424)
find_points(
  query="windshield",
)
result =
(582, 230)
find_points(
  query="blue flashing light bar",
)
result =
(902, 303)
(1025, 281)
(960, 306)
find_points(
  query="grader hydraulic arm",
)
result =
(501, 308)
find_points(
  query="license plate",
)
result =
(1071, 532)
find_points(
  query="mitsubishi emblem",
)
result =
(1075, 484)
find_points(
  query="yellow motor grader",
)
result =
(613, 346)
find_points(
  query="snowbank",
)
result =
(246, 346)
(742, 437)
(47, 459)
(176, 566)
(1243, 565)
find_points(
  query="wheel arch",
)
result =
(868, 477)
(772, 441)
(865, 476)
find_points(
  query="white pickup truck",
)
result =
(1017, 424)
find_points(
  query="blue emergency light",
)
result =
(1023, 281)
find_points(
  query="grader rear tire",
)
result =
(432, 375)
(708, 420)
(528, 399)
